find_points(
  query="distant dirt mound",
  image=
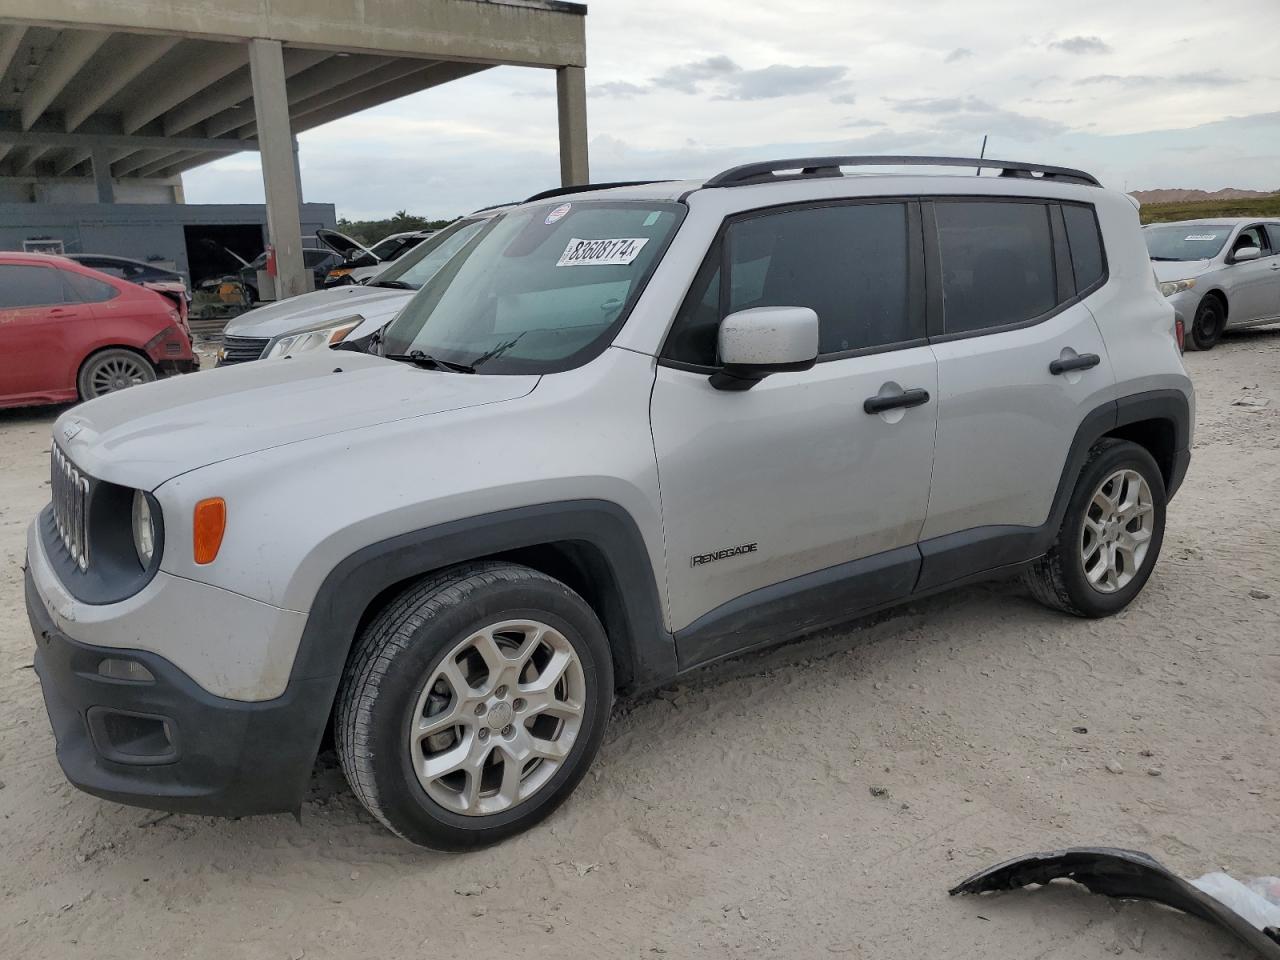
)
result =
(1185, 196)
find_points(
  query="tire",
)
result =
(1207, 326)
(1061, 578)
(400, 677)
(114, 369)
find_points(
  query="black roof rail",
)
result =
(586, 187)
(768, 171)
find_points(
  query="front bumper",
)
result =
(167, 743)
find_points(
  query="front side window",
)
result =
(1186, 241)
(540, 289)
(997, 263)
(24, 285)
(1251, 237)
(848, 263)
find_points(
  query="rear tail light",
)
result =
(1179, 332)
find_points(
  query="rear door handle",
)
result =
(907, 398)
(1082, 362)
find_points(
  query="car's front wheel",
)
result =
(1110, 537)
(110, 370)
(1207, 325)
(473, 704)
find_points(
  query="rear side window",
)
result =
(23, 285)
(848, 263)
(1086, 246)
(997, 263)
(87, 289)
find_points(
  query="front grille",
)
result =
(70, 506)
(240, 349)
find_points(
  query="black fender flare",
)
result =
(356, 582)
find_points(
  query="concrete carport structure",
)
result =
(150, 88)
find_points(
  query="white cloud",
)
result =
(748, 81)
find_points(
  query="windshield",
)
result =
(1186, 241)
(539, 289)
(393, 247)
(420, 265)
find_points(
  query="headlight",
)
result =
(1170, 287)
(144, 529)
(323, 336)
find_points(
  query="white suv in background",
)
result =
(1218, 274)
(624, 433)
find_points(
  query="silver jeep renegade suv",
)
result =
(623, 433)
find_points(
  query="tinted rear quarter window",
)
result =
(1085, 241)
(997, 263)
(87, 289)
(24, 285)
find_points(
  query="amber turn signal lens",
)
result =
(210, 524)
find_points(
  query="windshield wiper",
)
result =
(1165, 259)
(393, 284)
(428, 362)
(497, 351)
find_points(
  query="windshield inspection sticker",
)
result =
(601, 253)
(1201, 236)
(558, 213)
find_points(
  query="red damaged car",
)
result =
(70, 333)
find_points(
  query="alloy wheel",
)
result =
(497, 717)
(1118, 525)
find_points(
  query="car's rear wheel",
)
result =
(1207, 325)
(474, 704)
(1110, 537)
(110, 370)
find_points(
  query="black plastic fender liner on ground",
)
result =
(1126, 875)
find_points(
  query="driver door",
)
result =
(789, 506)
(1252, 289)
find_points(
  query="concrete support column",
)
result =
(101, 157)
(571, 103)
(279, 172)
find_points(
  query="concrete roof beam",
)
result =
(69, 53)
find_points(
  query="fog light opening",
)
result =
(117, 668)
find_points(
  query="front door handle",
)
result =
(1082, 362)
(907, 398)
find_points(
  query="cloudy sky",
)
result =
(1143, 93)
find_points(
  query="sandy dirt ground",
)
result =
(734, 815)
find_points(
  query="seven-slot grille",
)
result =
(70, 506)
(240, 349)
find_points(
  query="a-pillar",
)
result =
(571, 102)
(279, 171)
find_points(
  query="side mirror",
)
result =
(763, 340)
(1245, 253)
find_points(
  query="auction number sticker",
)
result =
(601, 253)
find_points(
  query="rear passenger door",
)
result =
(38, 323)
(1021, 362)
(788, 505)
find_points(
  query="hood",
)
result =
(343, 245)
(1179, 269)
(146, 435)
(312, 309)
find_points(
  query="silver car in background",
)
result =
(1219, 274)
(323, 318)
